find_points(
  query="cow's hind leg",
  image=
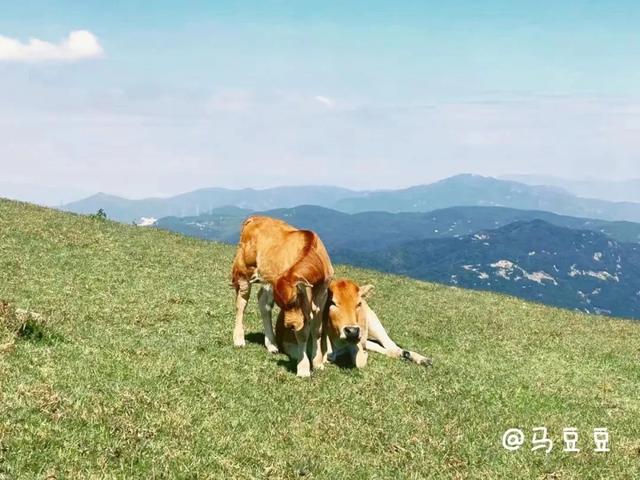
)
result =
(382, 343)
(243, 292)
(376, 347)
(265, 302)
(377, 333)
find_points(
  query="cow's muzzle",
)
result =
(351, 333)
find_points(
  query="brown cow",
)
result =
(350, 327)
(295, 270)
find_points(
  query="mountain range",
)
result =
(374, 230)
(207, 199)
(614, 191)
(537, 242)
(475, 190)
(578, 269)
(461, 190)
(577, 263)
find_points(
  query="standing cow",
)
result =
(294, 269)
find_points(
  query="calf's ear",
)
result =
(366, 291)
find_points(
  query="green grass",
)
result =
(130, 373)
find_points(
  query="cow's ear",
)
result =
(303, 284)
(366, 291)
(305, 289)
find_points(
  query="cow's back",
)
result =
(258, 234)
(281, 255)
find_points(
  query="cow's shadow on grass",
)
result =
(291, 365)
(257, 338)
(287, 363)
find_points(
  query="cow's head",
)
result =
(345, 319)
(294, 296)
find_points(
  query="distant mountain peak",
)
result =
(460, 190)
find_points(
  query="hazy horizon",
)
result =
(363, 95)
(59, 196)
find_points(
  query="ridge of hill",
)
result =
(614, 191)
(375, 230)
(206, 199)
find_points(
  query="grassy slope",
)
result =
(136, 375)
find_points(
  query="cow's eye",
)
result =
(333, 304)
(359, 305)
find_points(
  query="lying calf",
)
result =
(350, 328)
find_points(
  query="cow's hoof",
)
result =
(272, 348)
(303, 373)
(427, 362)
(239, 342)
(319, 366)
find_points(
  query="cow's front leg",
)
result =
(265, 303)
(302, 337)
(317, 350)
(325, 346)
(359, 355)
(243, 292)
(318, 343)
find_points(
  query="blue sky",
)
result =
(178, 95)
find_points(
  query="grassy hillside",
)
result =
(129, 372)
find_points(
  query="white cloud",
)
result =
(80, 44)
(326, 101)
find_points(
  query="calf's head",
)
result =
(345, 320)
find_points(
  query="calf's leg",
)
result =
(376, 347)
(359, 355)
(377, 333)
(385, 345)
